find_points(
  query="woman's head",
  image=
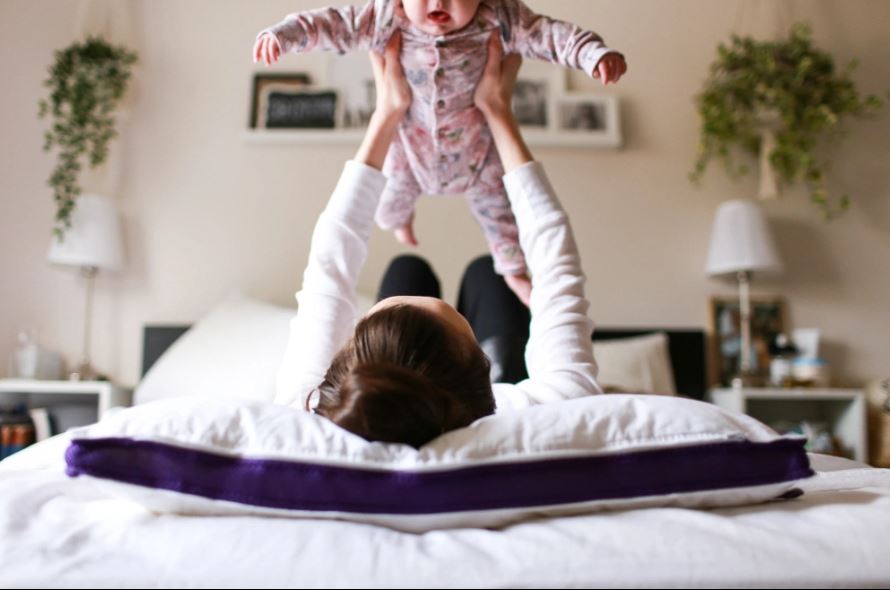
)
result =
(439, 17)
(411, 372)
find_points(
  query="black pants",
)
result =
(498, 318)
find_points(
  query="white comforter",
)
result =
(61, 532)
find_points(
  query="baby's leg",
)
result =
(490, 206)
(402, 190)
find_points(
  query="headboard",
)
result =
(686, 348)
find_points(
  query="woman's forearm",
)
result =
(381, 130)
(507, 138)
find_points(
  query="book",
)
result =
(42, 424)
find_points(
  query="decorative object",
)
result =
(767, 319)
(93, 242)
(777, 99)
(741, 244)
(285, 108)
(87, 81)
(588, 114)
(537, 86)
(261, 83)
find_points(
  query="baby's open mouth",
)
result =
(440, 17)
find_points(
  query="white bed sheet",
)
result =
(61, 532)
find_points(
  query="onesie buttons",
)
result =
(440, 104)
(440, 72)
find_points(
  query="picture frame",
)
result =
(261, 82)
(537, 86)
(768, 318)
(594, 117)
(282, 107)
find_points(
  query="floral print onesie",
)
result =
(444, 146)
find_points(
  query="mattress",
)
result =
(63, 532)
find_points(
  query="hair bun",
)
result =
(390, 403)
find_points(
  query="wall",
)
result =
(206, 211)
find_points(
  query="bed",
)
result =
(63, 532)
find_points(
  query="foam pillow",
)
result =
(214, 457)
(641, 364)
(233, 352)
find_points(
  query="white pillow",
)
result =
(213, 456)
(232, 352)
(641, 364)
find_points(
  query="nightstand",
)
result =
(69, 403)
(842, 409)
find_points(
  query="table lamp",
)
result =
(92, 243)
(741, 244)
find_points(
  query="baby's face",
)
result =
(440, 17)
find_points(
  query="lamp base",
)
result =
(85, 372)
(743, 380)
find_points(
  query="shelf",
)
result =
(352, 137)
(843, 410)
(101, 395)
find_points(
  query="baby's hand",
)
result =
(267, 49)
(521, 285)
(610, 68)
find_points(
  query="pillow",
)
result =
(215, 457)
(232, 352)
(641, 364)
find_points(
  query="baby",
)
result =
(444, 145)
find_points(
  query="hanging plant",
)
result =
(86, 82)
(787, 90)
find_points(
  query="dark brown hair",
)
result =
(406, 377)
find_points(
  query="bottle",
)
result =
(782, 355)
(25, 357)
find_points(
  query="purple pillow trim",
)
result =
(292, 485)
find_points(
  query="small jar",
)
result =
(810, 372)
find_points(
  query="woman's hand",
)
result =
(521, 285)
(267, 49)
(494, 93)
(494, 97)
(393, 92)
(393, 100)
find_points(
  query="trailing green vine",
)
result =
(86, 82)
(796, 83)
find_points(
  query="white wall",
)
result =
(206, 211)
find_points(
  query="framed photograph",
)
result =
(767, 320)
(352, 76)
(588, 115)
(261, 82)
(536, 87)
(284, 108)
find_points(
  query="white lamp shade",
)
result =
(740, 240)
(94, 238)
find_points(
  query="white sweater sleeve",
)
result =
(559, 354)
(327, 302)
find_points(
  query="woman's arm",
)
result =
(327, 310)
(559, 354)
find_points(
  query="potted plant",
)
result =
(776, 100)
(86, 82)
